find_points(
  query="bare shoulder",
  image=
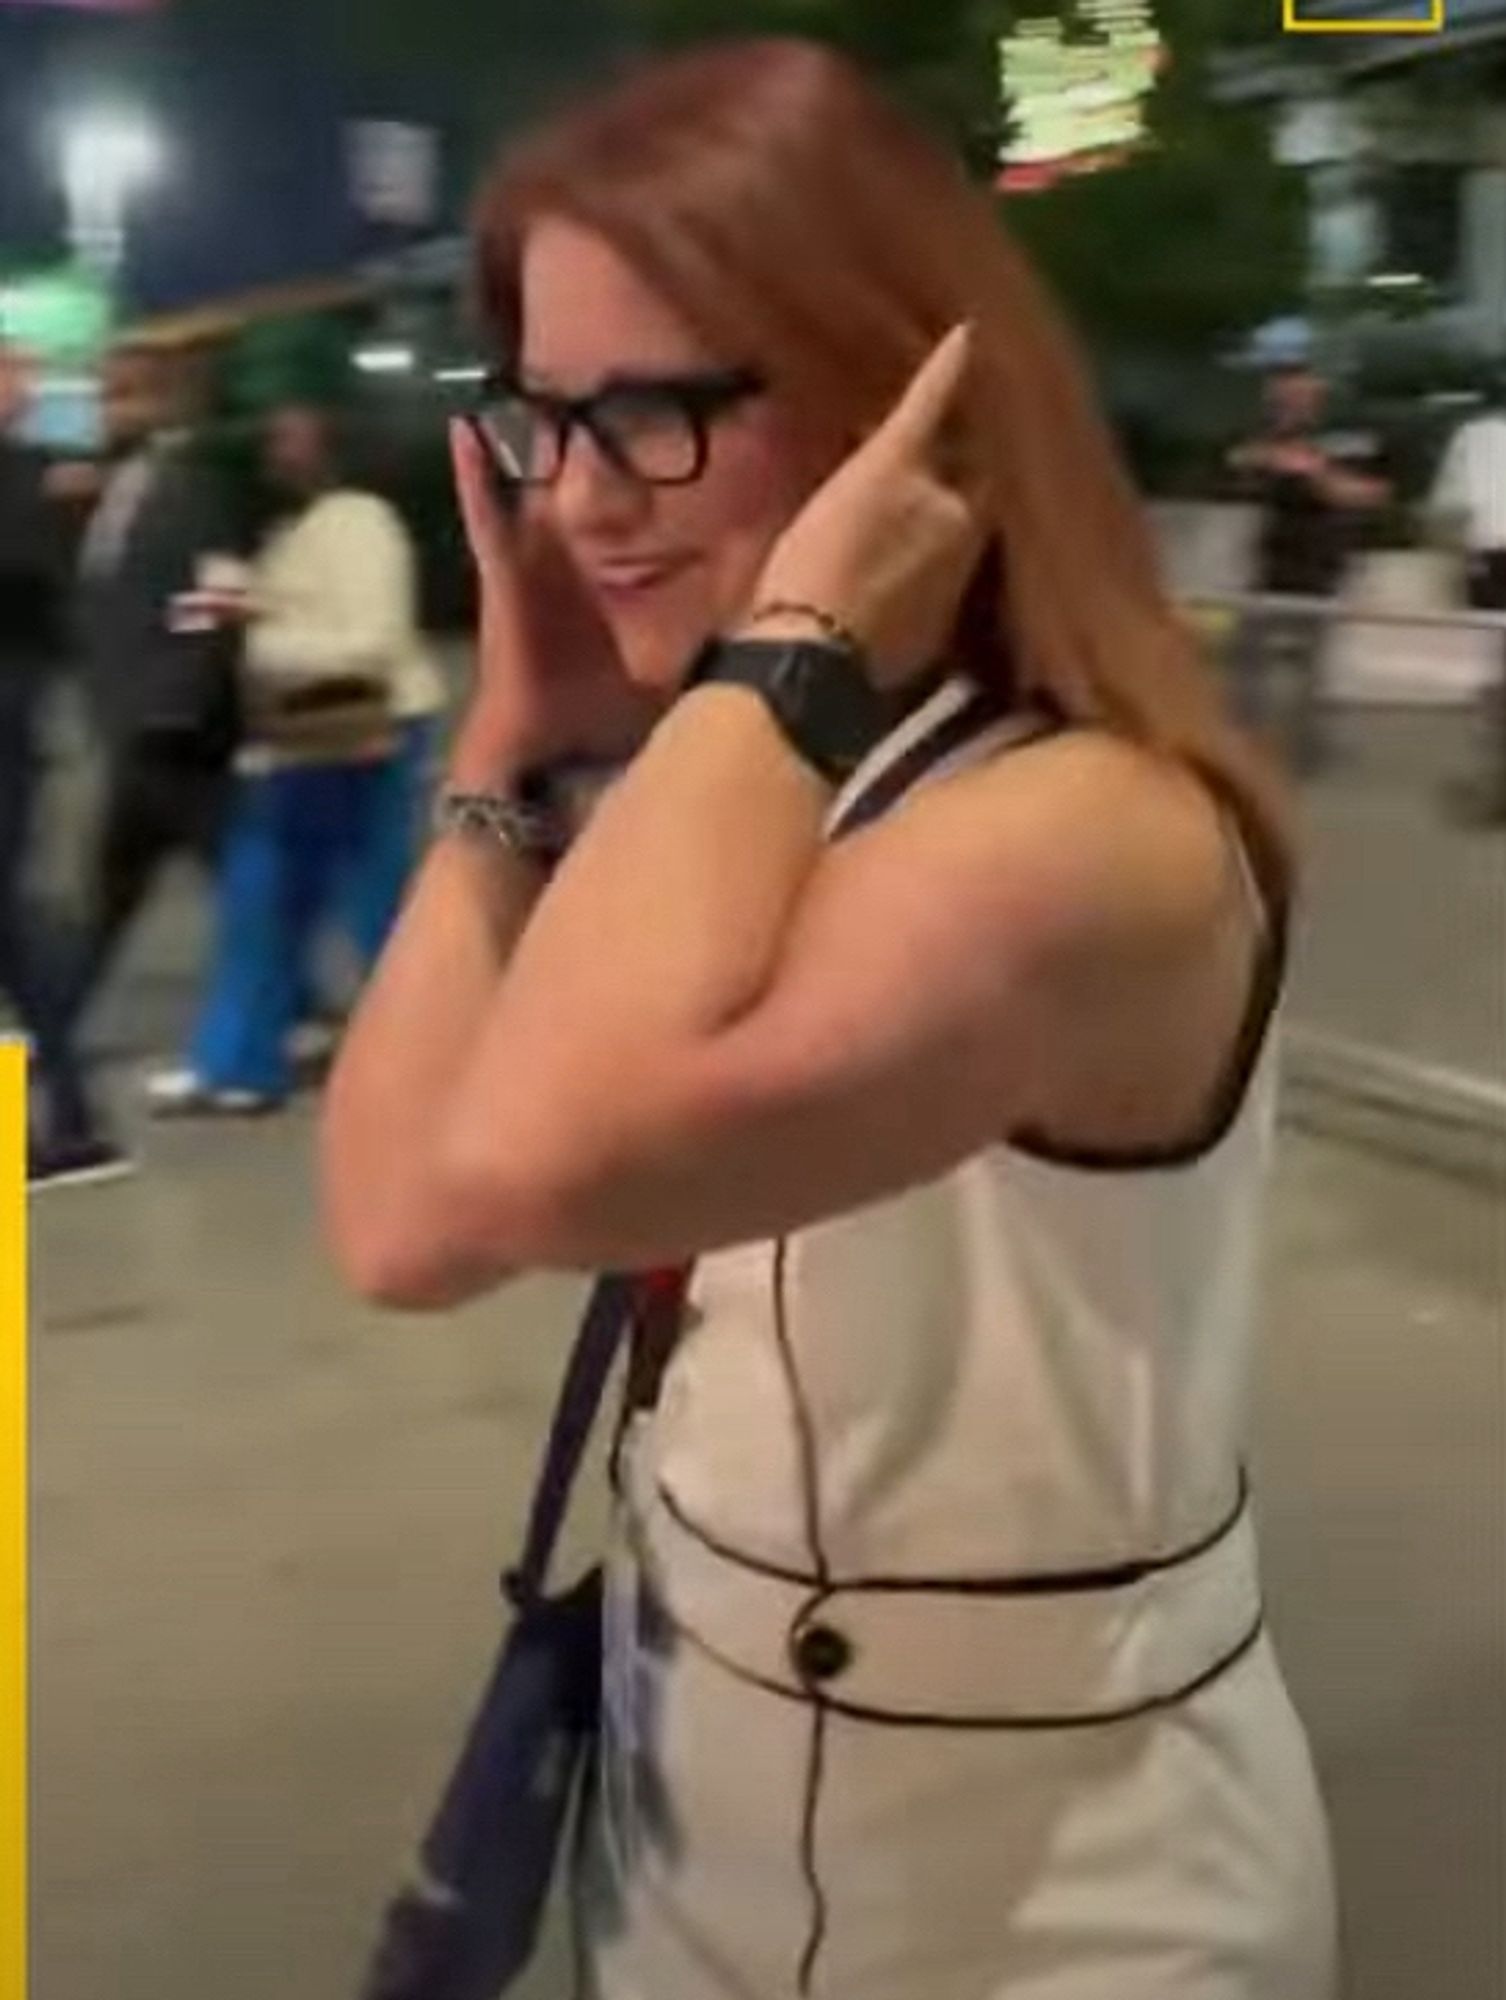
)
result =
(1110, 888)
(1097, 842)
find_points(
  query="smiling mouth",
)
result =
(634, 579)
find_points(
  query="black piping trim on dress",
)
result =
(884, 1718)
(810, 1499)
(815, 1772)
(805, 1429)
(1025, 1583)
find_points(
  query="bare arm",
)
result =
(388, 1103)
(539, 690)
(1359, 492)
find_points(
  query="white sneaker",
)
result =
(181, 1092)
(312, 1045)
(76, 1163)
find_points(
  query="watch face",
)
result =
(820, 693)
(833, 700)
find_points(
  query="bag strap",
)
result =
(603, 1329)
(619, 1299)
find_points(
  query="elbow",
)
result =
(383, 1270)
(514, 1206)
(417, 1255)
(477, 1227)
(390, 1266)
(488, 1207)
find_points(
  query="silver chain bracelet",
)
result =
(531, 827)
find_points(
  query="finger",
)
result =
(486, 528)
(952, 458)
(920, 415)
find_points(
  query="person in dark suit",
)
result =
(1316, 485)
(163, 690)
(68, 1143)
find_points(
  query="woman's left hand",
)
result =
(887, 546)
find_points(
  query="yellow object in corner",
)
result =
(13, 1537)
(1432, 22)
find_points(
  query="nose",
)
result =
(592, 495)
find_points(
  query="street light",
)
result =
(108, 157)
(386, 358)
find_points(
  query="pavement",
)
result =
(1403, 936)
(267, 1526)
(267, 1522)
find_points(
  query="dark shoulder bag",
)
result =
(467, 1923)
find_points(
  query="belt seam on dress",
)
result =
(808, 1451)
(1106, 1577)
(1156, 1704)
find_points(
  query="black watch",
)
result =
(817, 690)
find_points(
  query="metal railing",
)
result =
(1259, 648)
(1341, 611)
(1350, 1079)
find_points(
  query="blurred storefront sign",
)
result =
(1078, 100)
(62, 315)
(63, 318)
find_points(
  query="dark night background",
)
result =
(254, 104)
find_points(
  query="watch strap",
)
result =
(817, 690)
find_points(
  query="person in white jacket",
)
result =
(343, 701)
(1469, 496)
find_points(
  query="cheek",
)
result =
(753, 489)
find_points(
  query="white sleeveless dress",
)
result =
(935, 1660)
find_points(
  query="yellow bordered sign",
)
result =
(13, 1407)
(1432, 22)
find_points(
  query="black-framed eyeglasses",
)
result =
(655, 429)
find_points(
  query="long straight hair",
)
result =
(804, 225)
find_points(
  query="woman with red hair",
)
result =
(913, 981)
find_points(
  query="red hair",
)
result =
(805, 226)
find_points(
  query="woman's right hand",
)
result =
(549, 682)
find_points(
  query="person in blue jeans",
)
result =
(68, 1141)
(343, 703)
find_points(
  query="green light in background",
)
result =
(62, 315)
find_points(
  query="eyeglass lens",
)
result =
(649, 432)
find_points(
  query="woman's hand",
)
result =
(549, 681)
(888, 546)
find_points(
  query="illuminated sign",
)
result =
(1422, 17)
(63, 315)
(1078, 101)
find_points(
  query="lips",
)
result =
(627, 579)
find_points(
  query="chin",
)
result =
(658, 662)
